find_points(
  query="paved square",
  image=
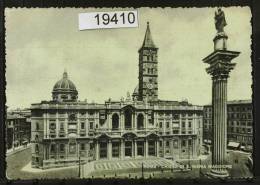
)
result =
(126, 164)
(133, 163)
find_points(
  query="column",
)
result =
(157, 148)
(97, 150)
(132, 149)
(219, 104)
(146, 148)
(163, 148)
(122, 122)
(47, 126)
(109, 150)
(134, 121)
(122, 148)
(145, 121)
(109, 118)
(78, 125)
(171, 147)
(219, 68)
(44, 151)
(135, 148)
(57, 126)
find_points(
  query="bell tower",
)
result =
(148, 70)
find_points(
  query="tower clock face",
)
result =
(149, 85)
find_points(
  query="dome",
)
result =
(64, 84)
(64, 89)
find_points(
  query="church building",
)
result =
(65, 130)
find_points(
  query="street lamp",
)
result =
(142, 170)
(200, 169)
(79, 165)
(189, 147)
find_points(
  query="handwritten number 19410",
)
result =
(106, 18)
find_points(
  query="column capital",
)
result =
(220, 69)
(220, 63)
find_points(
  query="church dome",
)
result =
(64, 89)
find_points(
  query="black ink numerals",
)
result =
(106, 19)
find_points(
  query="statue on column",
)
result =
(220, 20)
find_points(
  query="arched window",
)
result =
(140, 121)
(128, 119)
(115, 122)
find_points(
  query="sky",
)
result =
(42, 43)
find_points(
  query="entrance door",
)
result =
(140, 148)
(128, 148)
(103, 150)
(151, 148)
(115, 149)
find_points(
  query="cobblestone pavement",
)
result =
(112, 167)
(133, 163)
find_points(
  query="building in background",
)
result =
(65, 130)
(239, 124)
(18, 130)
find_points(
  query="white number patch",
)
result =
(117, 19)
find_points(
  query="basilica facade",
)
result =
(65, 130)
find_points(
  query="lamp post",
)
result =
(200, 169)
(79, 165)
(142, 170)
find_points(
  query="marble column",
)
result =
(135, 148)
(97, 151)
(157, 148)
(109, 150)
(219, 69)
(146, 148)
(163, 148)
(122, 149)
